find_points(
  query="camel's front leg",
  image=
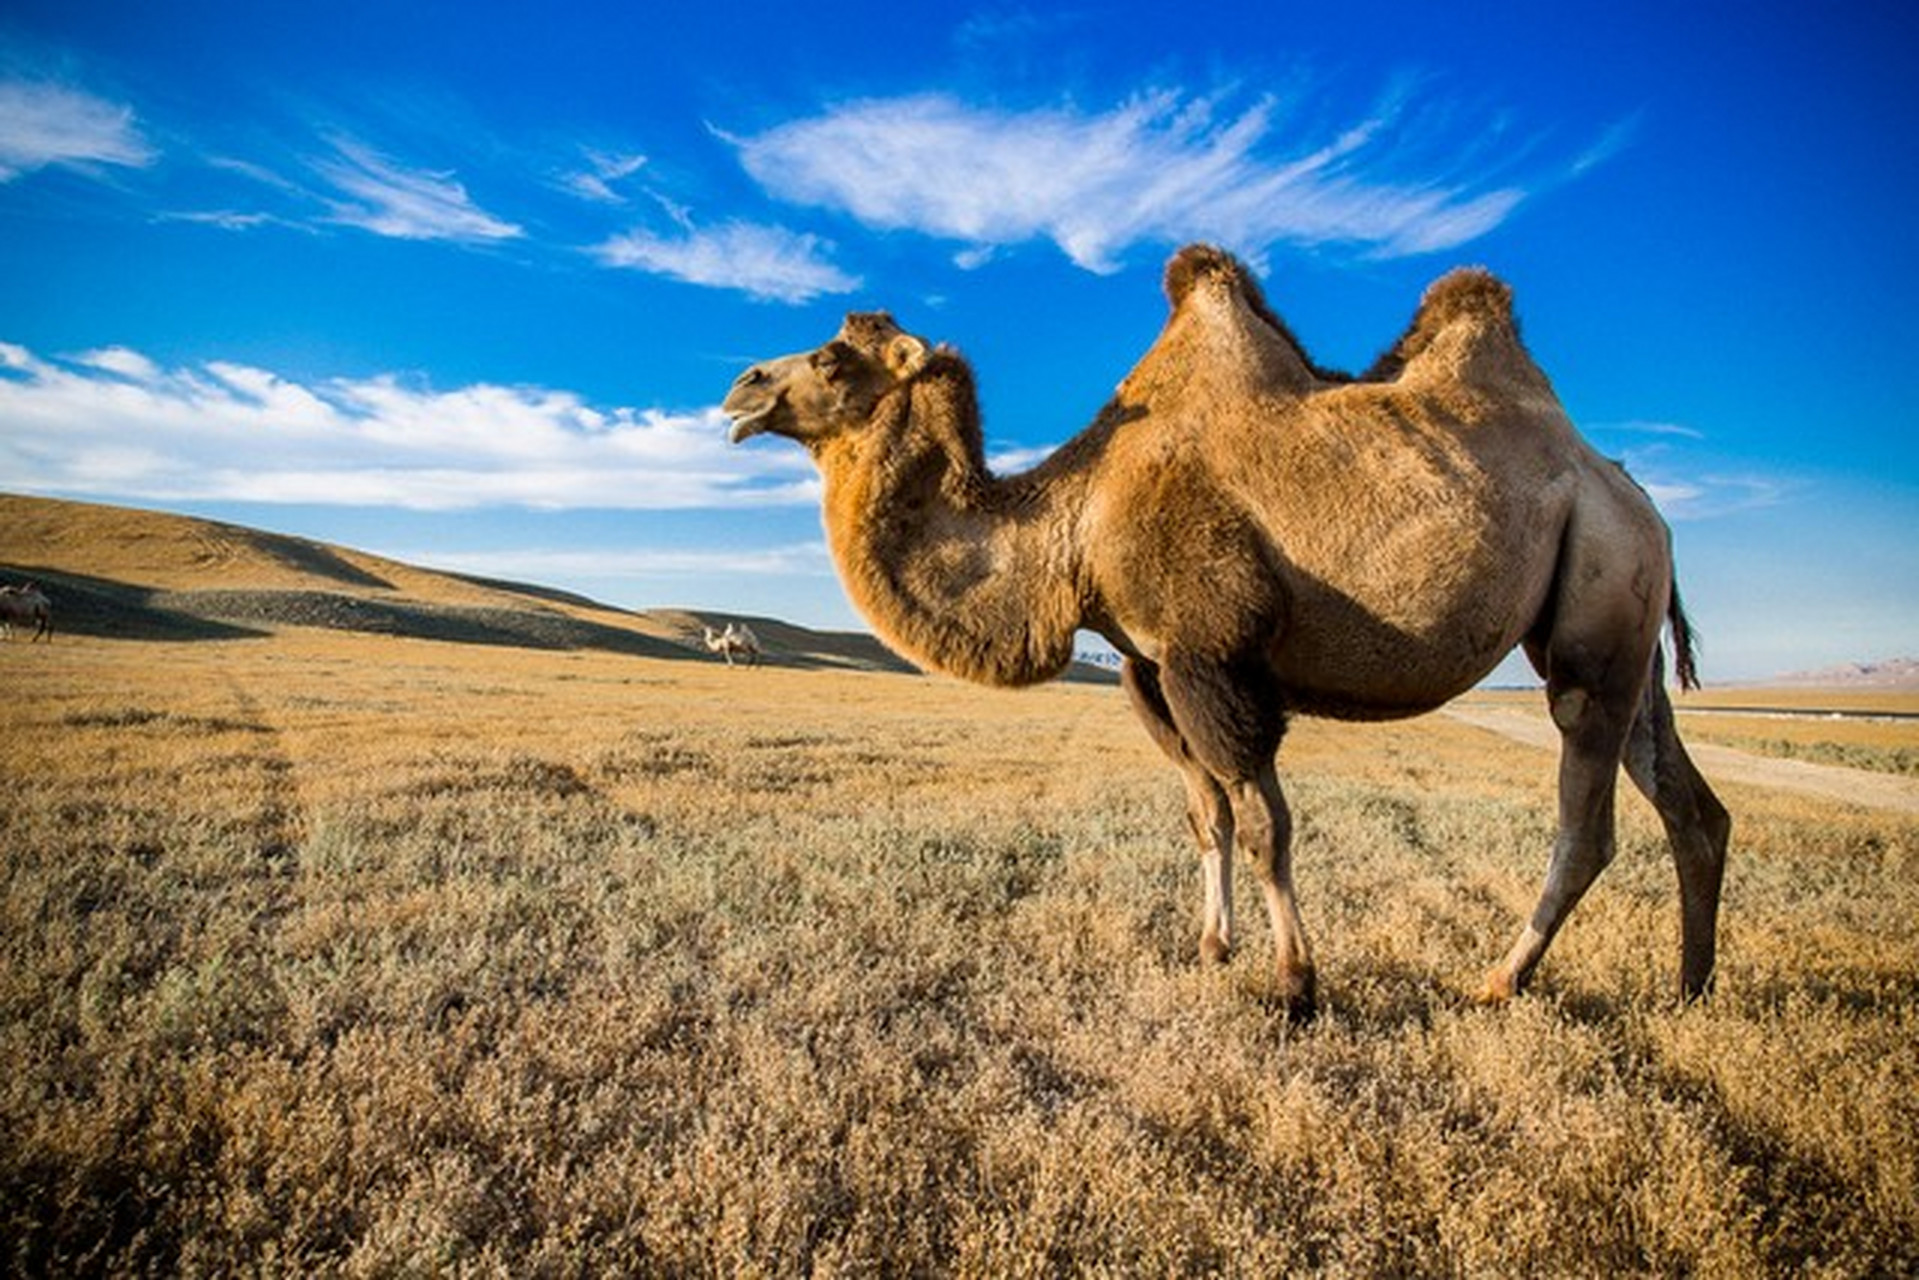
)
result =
(1264, 827)
(1208, 811)
(1211, 818)
(1228, 719)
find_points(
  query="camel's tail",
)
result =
(1682, 643)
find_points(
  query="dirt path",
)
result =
(1828, 782)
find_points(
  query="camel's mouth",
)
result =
(751, 403)
(748, 423)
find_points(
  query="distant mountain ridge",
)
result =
(1893, 673)
(130, 574)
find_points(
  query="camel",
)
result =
(26, 604)
(1260, 537)
(738, 638)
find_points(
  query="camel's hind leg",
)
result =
(1697, 828)
(1207, 810)
(1593, 714)
(1590, 744)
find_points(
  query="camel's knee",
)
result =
(1264, 829)
(1715, 820)
(1569, 708)
(1700, 847)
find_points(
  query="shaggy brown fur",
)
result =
(1197, 262)
(1259, 538)
(1470, 295)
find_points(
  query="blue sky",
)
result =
(464, 283)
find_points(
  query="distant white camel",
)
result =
(737, 640)
(26, 604)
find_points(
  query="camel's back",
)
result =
(1395, 535)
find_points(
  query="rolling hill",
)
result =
(129, 574)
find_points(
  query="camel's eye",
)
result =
(832, 360)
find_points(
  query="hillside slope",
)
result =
(128, 574)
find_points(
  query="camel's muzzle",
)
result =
(750, 404)
(748, 425)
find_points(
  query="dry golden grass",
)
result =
(1883, 746)
(366, 956)
(1794, 724)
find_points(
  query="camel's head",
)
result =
(815, 395)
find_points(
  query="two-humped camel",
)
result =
(737, 639)
(1259, 537)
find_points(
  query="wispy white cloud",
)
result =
(1161, 168)
(1611, 143)
(770, 263)
(1712, 494)
(1645, 427)
(232, 219)
(603, 169)
(44, 124)
(409, 204)
(1686, 478)
(121, 361)
(114, 423)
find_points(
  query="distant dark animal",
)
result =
(23, 605)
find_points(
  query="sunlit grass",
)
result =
(364, 956)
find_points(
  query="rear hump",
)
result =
(1470, 295)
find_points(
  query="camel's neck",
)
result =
(956, 569)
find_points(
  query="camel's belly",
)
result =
(1377, 672)
(1402, 634)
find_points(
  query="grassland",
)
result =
(356, 955)
(1881, 746)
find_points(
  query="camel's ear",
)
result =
(906, 355)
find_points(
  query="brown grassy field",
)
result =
(1871, 729)
(1882, 746)
(365, 955)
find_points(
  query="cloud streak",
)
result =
(1675, 465)
(407, 204)
(768, 263)
(114, 424)
(1161, 168)
(44, 124)
(1711, 495)
(1409, 176)
(603, 170)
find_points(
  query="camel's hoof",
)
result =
(1499, 987)
(1212, 951)
(1692, 992)
(1299, 991)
